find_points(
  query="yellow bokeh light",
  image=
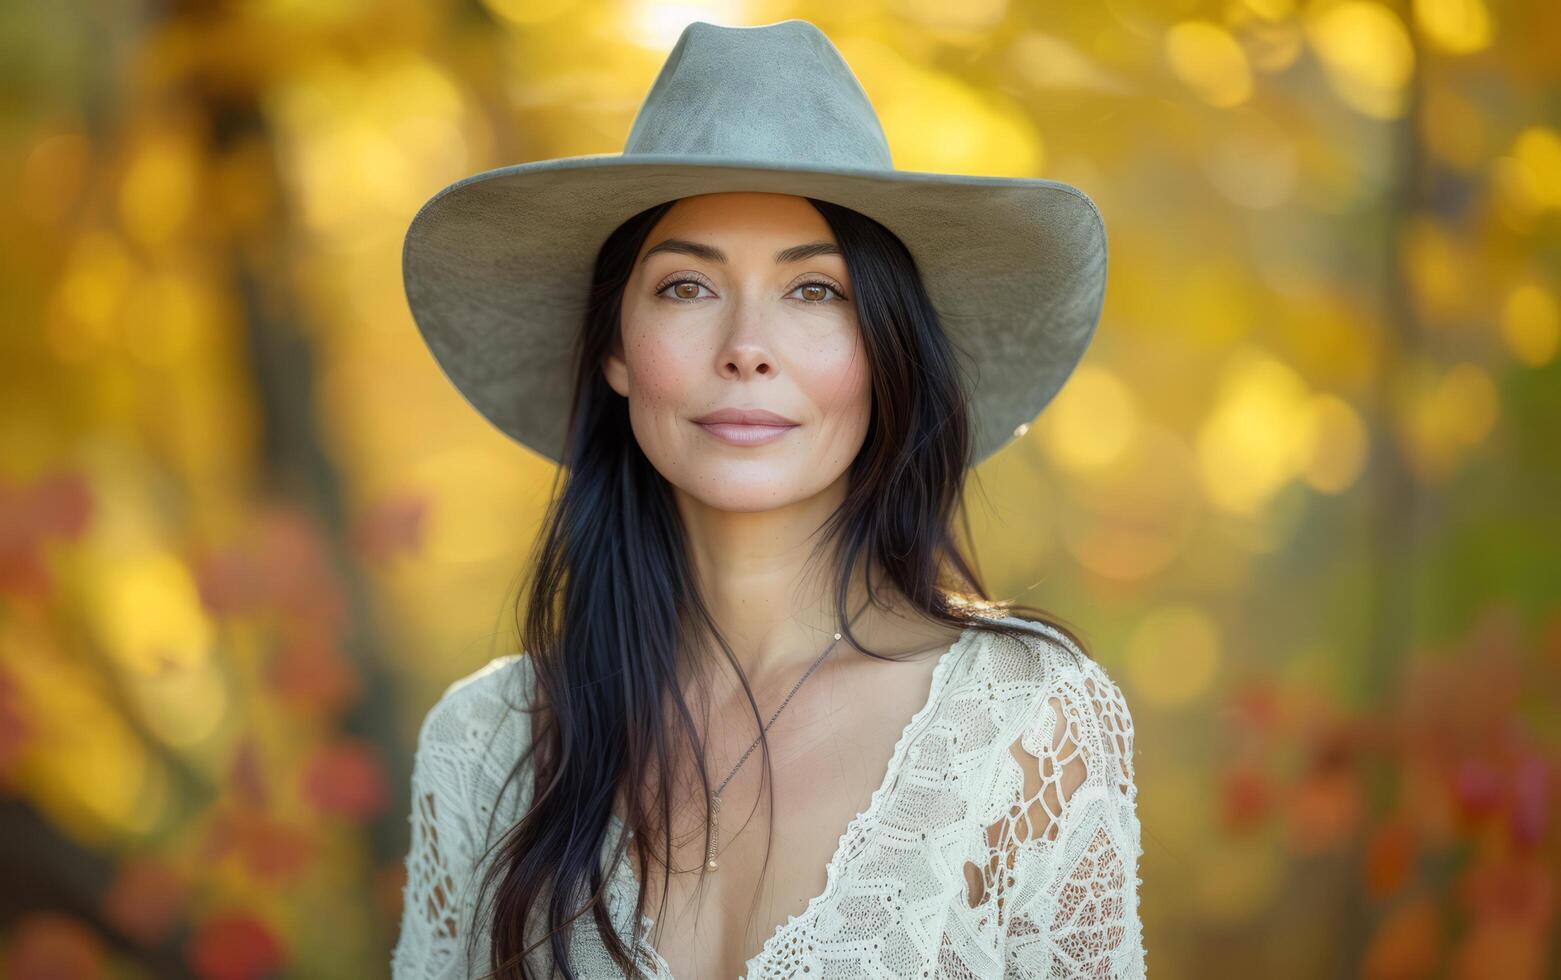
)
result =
(967, 15)
(528, 11)
(53, 176)
(151, 615)
(1437, 270)
(1473, 401)
(83, 766)
(1173, 656)
(1455, 26)
(1093, 420)
(976, 133)
(1209, 61)
(1274, 10)
(1538, 151)
(1443, 413)
(1259, 435)
(97, 275)
(1272, 46)
(184, 703)
(1340, 444)
(1531, 324)
(1049, 62)
(1366, 52)
(159, 189)
(657, 25)
(364, 142)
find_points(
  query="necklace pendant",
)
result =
(715, 828)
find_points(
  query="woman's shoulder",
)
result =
(477, 709)
(1044, 663)
(1040, 652)
(474, 733)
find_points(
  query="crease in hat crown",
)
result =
(805, 107)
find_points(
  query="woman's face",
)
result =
(740, 303)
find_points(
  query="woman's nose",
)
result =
(746, 352)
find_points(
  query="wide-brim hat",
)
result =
(498, 265)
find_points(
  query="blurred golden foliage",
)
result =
(1303, 488)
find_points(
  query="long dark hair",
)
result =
(612, 595)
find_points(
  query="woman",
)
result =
(748, 600)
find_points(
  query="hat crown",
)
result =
(780, 92)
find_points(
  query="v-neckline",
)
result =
(837, 861)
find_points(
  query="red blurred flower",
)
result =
(146, 900)
(57, 505)
(269, 849)
(282, 563)
(1246, 797)
(391, 527)
(1513, 887)
(234, 946)
(1477, 788)
(53, 946)
(1531, 800)
(1390, 852)
(310, 673)
(1325, 810)
(347, 778)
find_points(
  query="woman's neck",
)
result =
(772, 600)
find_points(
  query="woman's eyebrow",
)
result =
(799, 252)
(707, 252)
(710, 253)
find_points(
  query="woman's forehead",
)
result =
(758, 217)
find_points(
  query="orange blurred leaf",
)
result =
(146, 900)
(271, 850)
(1325, 810)
(391, 527)
(1389, 854)
(1406, 944)
(234, 946)
(347, 779)
(53, 946)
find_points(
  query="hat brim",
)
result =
(497, 267)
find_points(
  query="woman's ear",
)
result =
(616, 371)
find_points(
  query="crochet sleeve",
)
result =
(439, 864)
(1063, 858)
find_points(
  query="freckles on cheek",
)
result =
(657, 372)
(839, 380)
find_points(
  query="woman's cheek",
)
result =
(659, 385)
(842, 389)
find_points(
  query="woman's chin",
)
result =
(750, 489)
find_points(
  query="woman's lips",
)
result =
(745, 434)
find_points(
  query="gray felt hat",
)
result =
(498, 264)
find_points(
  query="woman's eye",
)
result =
(682, 289)
(817, 291)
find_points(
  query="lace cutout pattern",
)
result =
(1005, 844)
(1060, 868)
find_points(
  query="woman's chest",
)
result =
(862, 861)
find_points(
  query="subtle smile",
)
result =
(745, 427)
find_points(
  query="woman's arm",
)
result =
(1064, 856)
(439, 862)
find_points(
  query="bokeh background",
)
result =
(1302, 498)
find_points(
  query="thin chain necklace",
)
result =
(715, 798)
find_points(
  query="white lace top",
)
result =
(1017, 773)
